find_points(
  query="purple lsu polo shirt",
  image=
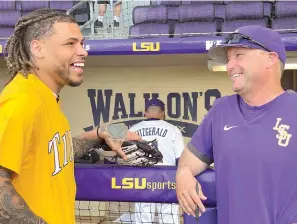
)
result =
(254, 150)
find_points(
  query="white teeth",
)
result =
(79, 64)
(235, 75)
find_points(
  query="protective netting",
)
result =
(127, 212)
(145, 18)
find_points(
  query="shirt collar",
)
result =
(152, 119)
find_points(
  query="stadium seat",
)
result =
(149, 30)
(171, 3)
(238, 14)
(247, 10)
(7, 6)
(231, 26)
(61, 5)
(204, 12)
(186, 2)
(149, 14)
(25, 13)
(285, 9)
(27, 6)
(199, 28)
(212, 2)
(5, 32)
(285, 17)
(199, 18)
(82, 18)
(9, 18)
(172, 13)
(284, 23)
(8, 21)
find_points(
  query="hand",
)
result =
(186, 189)
(133, 136)
(115, 134)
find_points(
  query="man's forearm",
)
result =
(113, 134)
(13, 208)
(81, 145)
(188, 160)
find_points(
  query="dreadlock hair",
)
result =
(34, 26)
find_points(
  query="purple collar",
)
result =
(152, 119)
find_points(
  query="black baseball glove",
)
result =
(139, 153)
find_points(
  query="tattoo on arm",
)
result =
(13, 208)
(82, 145)
(113, 133)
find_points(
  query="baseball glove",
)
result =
(139, 153)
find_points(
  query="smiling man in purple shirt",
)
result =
(250, 136)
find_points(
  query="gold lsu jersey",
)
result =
(36, 143)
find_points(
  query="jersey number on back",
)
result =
(53, 147)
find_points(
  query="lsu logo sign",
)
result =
(210, 43)
(283, 135)
(182, 108)
(87, 47)
(146, 46)
(130, 183)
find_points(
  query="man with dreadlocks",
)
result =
(37, 184)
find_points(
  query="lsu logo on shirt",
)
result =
(283, 135)
(67, 154)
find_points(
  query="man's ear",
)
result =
(163, 115)
(273, 59)
(37, 49)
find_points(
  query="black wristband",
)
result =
(98, 132)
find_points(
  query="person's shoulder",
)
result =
(289, 97)
(20, 96)
(291, 94)
(224, 101)
(137, 125)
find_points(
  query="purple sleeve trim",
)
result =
(204, 158)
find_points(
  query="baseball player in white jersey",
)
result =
(171, 144)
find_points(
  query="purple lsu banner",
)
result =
(134, 184)
(162, 45)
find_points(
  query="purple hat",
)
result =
(256, 37)
(155, 102)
